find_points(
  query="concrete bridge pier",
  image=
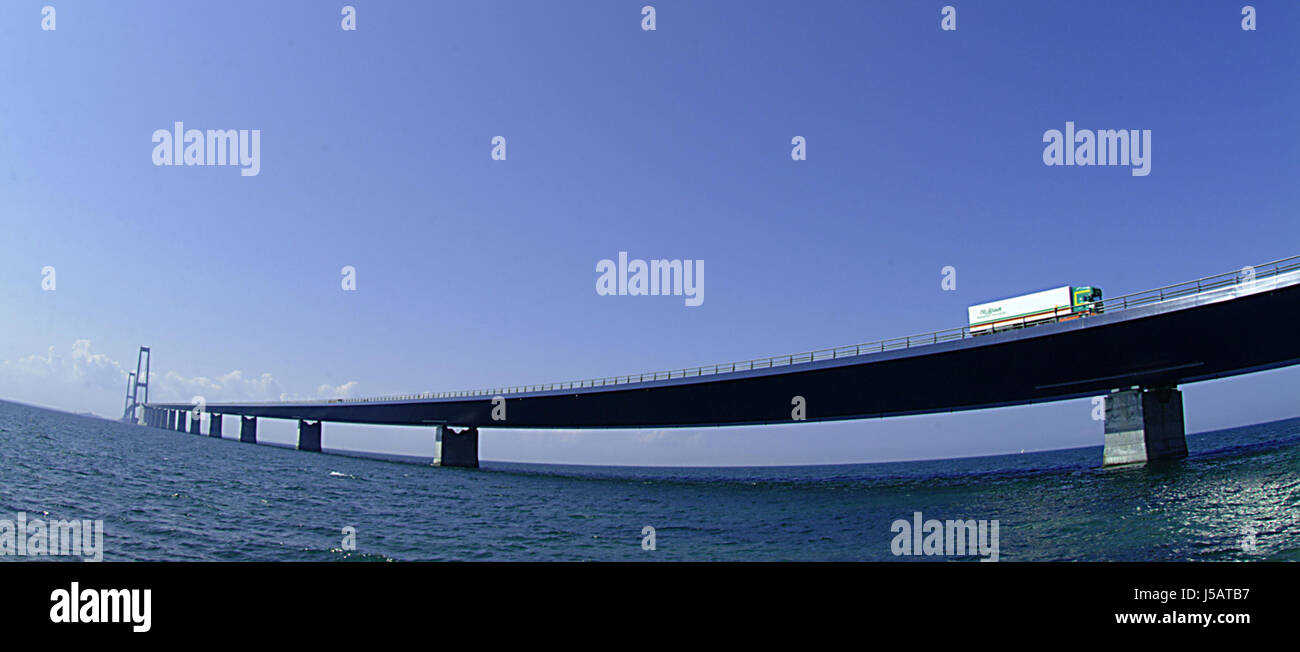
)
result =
(1144, 425)
(196, 423)
(214, 425)
(308, 436)
(173, 420)
(248, 429)
(453, 448)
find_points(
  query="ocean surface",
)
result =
(170, 496)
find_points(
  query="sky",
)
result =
(923, 149)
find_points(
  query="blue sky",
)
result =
(924, 150)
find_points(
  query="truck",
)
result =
(1056, 304)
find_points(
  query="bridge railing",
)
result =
(1113, 304)
(1248, 276)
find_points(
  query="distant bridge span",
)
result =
(1210, 328)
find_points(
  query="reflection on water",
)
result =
(165, 495)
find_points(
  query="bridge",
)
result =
(1136, 352)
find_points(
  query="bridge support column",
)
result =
(308, 436)
(196, 424)
(1144, 425)
(173, 418)
(214, 425)
(456, 448)
(248, 429)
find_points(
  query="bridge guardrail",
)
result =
(1114, 304)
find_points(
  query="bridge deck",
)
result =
(1186, 335)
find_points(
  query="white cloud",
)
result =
(80, 367)
(337, 391)
(234, 386)
(678, 437)
(651, 436)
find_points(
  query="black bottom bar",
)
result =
(993, 602)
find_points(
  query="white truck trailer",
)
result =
(1056, 304)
